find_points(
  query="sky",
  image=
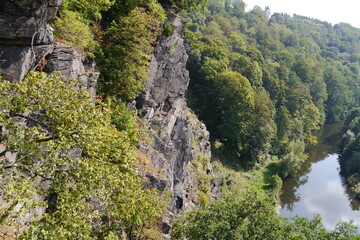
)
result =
(333, 11)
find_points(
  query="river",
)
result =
(318, 188)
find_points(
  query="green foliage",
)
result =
(350, 156)
(246, 218)
(339, 94)
(72, 28)
(67, 149)
(301, 72)
(253, 217)
(186, 4)
(168, 30)
(124, 58)
(200, 166)
(235, 100)
(88, 9)
(276, 183)
(344, 230)
(304, 228)
(76, 20)
(292, 159)
(122, 8)
(122, 118)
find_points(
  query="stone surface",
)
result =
(70, 63)
(178, 136)
(17, 61)
(27, 22)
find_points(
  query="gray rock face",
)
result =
(17, 61)
(25, 35)
(70, 63)
(26, 22)
(178, 136)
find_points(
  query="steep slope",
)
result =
(178, 143)
(178, 137)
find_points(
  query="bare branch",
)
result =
(45, 139)
(34, 120)
(38, 24)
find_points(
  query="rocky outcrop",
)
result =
(26, 43)
(17, 61)
(178, 136)
(71, 63)
(26, 22)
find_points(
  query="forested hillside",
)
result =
(131, 160)
(264, 83)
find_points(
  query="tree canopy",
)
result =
(301, 71)
(253, 217)
(68, 158)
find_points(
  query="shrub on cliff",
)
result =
(73, 29)
(67, 151)
(76, 23)
(127, 50)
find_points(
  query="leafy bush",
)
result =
(66, 147)
(88, 9)
(127, 47)
(292, 161)
(74, 30)
(253, 218)
(168, 30)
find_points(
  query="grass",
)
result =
(236, 180)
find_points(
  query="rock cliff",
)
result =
(178, 137)
(26, 22)
(26, 43)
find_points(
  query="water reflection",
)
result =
(318, 188)
(328, 138)
(352, 198)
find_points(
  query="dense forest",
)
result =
(262, 83)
